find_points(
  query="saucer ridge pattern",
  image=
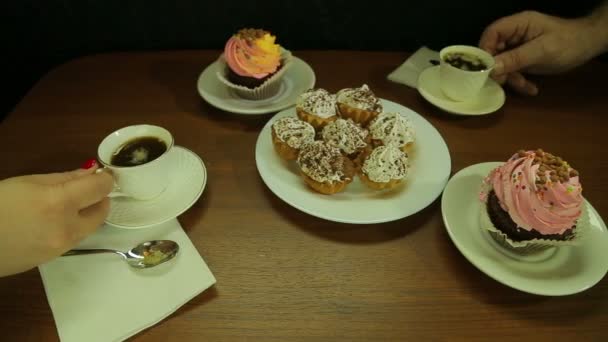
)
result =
(296, 80)
(188, 179)
(561, 271)
(490, 99)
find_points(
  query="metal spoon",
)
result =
(144, 255)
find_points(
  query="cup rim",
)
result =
(484, 54)
(170, 145)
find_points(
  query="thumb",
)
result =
(88, 190)
(60, 177)
(519, 58)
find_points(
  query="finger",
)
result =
(518, 58)
(500, 79)
(490, 40)
(495, 36)
(60, 177)
(86, 191)
(91, 218)
(519, 83)
(518, 35)
(500, 47)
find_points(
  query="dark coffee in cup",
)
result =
(138, 151)
(465, 61)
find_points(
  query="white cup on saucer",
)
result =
(144, 181)
(459, 84)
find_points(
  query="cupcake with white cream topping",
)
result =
(358, 104)
(385, 168)
(324, 168)
(289, 135)
(346, 135)
(392, 128)
(317, 107)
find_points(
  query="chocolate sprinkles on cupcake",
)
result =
(534, 200)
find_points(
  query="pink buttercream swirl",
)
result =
(532, 199)
(252, 53)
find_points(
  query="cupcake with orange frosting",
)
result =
(532, 202)
(254, 64)
(359, 104)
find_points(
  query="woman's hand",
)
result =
(43, 216)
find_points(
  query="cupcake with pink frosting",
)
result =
(532, 202)
(253, 64)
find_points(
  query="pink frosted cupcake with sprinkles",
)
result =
(532, 202)
(253, 64)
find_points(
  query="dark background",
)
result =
(39, 35)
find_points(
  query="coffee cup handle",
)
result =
(115, 188)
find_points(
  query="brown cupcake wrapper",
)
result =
(266, 90)
(326, 188)
(360, 116)
(391, 184)
(283, 149)
(534, 245)
(316, 121)
(358, 158)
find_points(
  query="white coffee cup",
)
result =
(458, 84)
(144, 181)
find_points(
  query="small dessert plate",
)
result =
(297, 79)
(188, 177)
(490, 99)
(558, 271)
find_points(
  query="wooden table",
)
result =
(284, 275)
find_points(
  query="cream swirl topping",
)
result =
(294, 132)
(252, 53)
(318, 102)
(386, 163)
(322, 162)
(539, 191)
(345, 135)
(362, 98)
(392, 128)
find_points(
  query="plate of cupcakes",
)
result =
(526, 224)
(352, 157)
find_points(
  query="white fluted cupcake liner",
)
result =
(535, 245)
(269, 88)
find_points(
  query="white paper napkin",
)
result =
(407, 73)
(100, 298)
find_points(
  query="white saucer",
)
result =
(188, 178)
(490, 98)
(556, 272)
(358, 204)
(297, 79)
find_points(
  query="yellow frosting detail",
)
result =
(266, 44)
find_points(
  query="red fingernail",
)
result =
(89, 164)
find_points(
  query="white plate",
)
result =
(188, 178)
(490, 98)
(556, 272)
(358, 204)
(297, 79)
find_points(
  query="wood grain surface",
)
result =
(284, 275)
